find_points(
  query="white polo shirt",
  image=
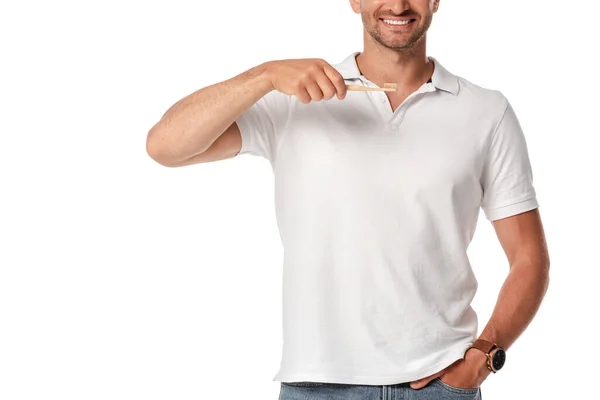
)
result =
(376, 210)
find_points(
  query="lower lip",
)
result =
(397, 27)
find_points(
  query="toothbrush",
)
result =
(387, 87)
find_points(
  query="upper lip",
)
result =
(398, 18)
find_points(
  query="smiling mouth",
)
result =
(394, 22)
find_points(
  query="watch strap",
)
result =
(483, 345)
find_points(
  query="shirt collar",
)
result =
(441, 78)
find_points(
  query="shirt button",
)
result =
(383, 98)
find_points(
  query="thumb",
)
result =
(418, 384)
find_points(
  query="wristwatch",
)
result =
(496, 356)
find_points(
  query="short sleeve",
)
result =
(261, 125)
(507, 177)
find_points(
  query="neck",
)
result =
(409, 68)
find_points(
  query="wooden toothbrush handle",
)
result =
(359, 88)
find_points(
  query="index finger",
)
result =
(337, 79)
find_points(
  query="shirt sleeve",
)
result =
(261, 125)
(507, 177)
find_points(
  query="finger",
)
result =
(303, 95)
(326, 86)
(337, 80)
(315, 92)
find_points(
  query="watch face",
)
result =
(498, 359)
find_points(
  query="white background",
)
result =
(123, 279)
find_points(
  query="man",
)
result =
(377, 199)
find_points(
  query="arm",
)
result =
(194, 123)
(187, 131)
(510, 203)
(523, 241)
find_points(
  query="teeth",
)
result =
(392, 22)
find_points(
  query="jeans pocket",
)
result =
(454, 389)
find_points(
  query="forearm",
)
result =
(518, 302)
(192, 124)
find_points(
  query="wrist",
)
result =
(478, 360)
(263, 72)
(256, 81)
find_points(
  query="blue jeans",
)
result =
(435, 390)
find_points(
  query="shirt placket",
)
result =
(393, 119)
